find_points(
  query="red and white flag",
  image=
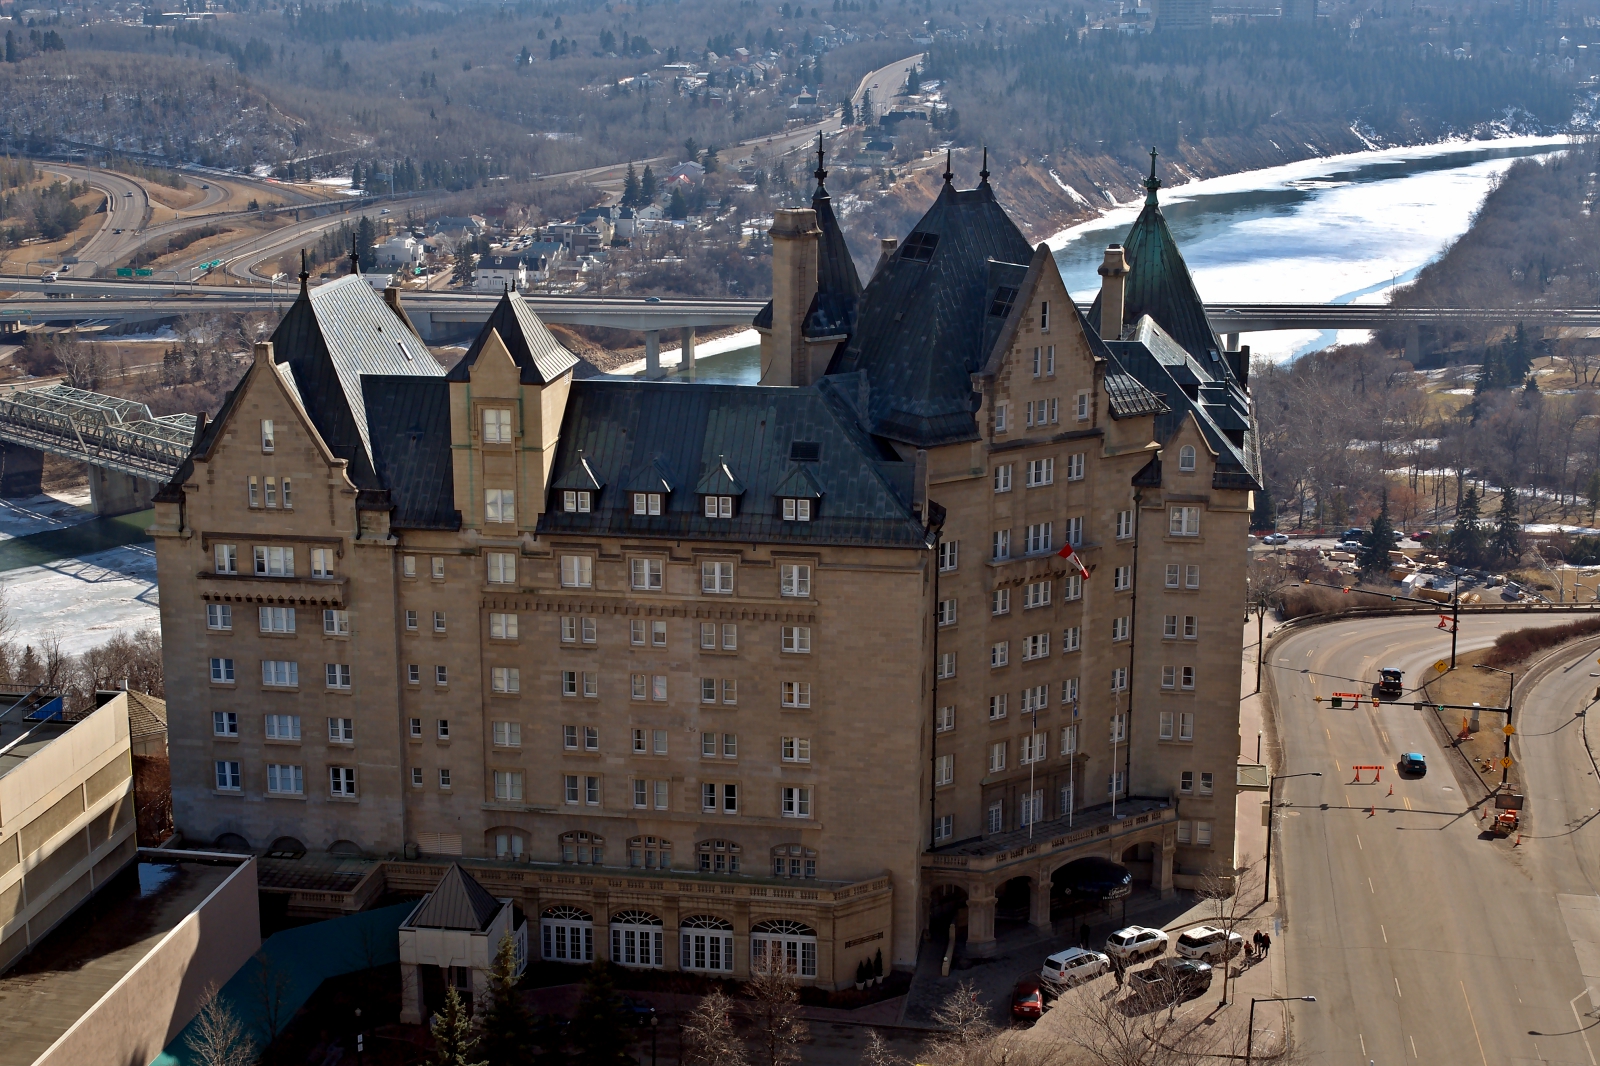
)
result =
(1075, 559)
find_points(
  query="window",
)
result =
(280, 674)
(1004, 297)
(1186, 726)
(342, 780)
(944, 827)
(1114, 783)
(997, 756)
(591, 738)
(1124, 525)
(288, 501)
(1191, 627)
(224, 723)
(1035, 698)
(1202, 833)
(945, 719)
(255, 491)
(507, 734)
(1166, 719)
(719, 506)
(274, 562)
(1186, 458)
(438, 621)
(1169, 626)
(1002, 544)
(1122, 578)
(283, 727)
(1083, 407)
(997, 706)
(1072, 587)
(1191, 576)
(228, 778)
(705, 943)
(411, 620)
(1119, 728)
(591, 791)
(797, 693)
(413, 674)
(796, 802)
(658, 687)
(1183, 521)
(639, 685)
(438, 568)
(1075, 466)
(276, 619)
(342, 730)
(444, 778)
(508, 846)
(716, 578)
(1044, 359)
(794, 579)
(1000, 602)
(1069, 693)
(1030, 807)
(1041, 472)
(1035, 594)
(949, 554)
(408, 566)
(645, 574)
(1002, 478)
(1186, 781)
(643, 793)
(708, 635)
(1172, 575)
(1169, 679)
(226, 557)
(1044, 324)
(504, 626)
(947, 665)
(796, 510)
(508, 786)
(1186, 677)
(797, 640)
(1069, 739)
(577, 501)
(569, 788)
(578, 572)
(499, 505)
(219, 616)
(1119, 679)
(997, 817)
(414, 727)
(441, 675)
(336, 623)
(337, 674)
(1206, 781)
(268, 441)
(728, 802)
(569, 737)
(1185, 832)
(575, 847)
(1033, 749)
(285, 780)
(796, 749)
(1000, 418)
(944, 770)
(1036, 646)
(1039, 539)
(999, 654)
(1075, 532)
(1120, 628)
(718, 856)
(1071, 638)
(496, 425)
(649, 853)
(647, 503)
(506, 679)
(947, 612)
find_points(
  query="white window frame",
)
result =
(796, 801)
(219, 616)
(794, 579)
(1002, 477)
(716, 578)
(1183, 521)
(1075, 467)
(949, 555)
(496, 424)
(796, 640)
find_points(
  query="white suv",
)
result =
(1136, 942)
(1073, 966)
(1209, 942)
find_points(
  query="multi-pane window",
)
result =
(716, 578)
(1172, 575)
(1202, 833)
(441, 675)
(274, 562)
(1191, 627)
(947, 612)
(1075, 466)
(997, 706)
(1041, 472)
(1186, 726)
(255, 491)
(414, 728)
(219, 616)
(506, 679)
(796, 749)
(577, 501)
(1000, 601)
(1069, 693)
(1071, 638)
(508, 786)
(276, 619)
(1169, 679)
(1035, 594)
(224, 723)
(999, 653)
(1185, 832)
(797, 640)
(1183, 521)
(444, 778)
(1120, 628)
(1115, 782)
(1043, 412)
(1072, 587)
(796, 802)
(569, 737)
(1186, 677)
(591, 738)
(1206, 781)
(945, 719)
(342, 780)
(794, 579)
(1036, 646)
(1044, 359)
(503, 568)
(944, 827)
(1044, 327)
(1001, 544)
(1035, 698)
(1033, 749)
(1000, 417)
(1124, 525)
(1002, 478)
(1039, 539)
(507, 734)
(719, 506)
(411, 620)
(1186, 458)
(646, 504)
(504, 626)
(949, 554)
(337, 675)
(658, 687)
(1083, 406)
(1191, 576)
(268, 438)
(648, 793)
(228, 776)
(797, 693)
(496, 425)
(1122, 578)
(1030, 807)
(645, 574)
(342, 730)
(944, 770)
(997, 756)
(499, 505)
(414, 673)
(336, 623)
(996, 817)
(283, 727)
(285, 779)
(591, 791)
(708, 635)
(279, 673)
(1119, 679)
(1167, 718)
(1119, 727)
(438, 622)
(1169, 626)
(226, 558)
(1069, 740)
(408, 566)
(1075, 532)
(577, 571)
(796, 510)
(722, 798)
(946, 666)
(222, 671)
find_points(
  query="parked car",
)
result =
(1136, 942)
(1095, 878)
(639, 1011)
(1354, 533)
(1413, 762)
(1422, 536)
(1027, 1000)
(1209, 942)
(1171, 979)
(1073, 967)
(1275, 538)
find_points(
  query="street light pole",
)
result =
(1511, 695)
(654, 1023)
(1250, 1031)
(1272, 810)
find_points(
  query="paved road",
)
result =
(127, 206)
(1421, 941)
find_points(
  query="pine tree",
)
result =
(453, 1038)
(507, 1025)
(1507, 542)
(1466, 539)
(599, 1026)
(11, 47)
(630, 188)
(366, 234)
(677, 207)
(1379, 541)
(647, 186)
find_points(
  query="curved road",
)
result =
(1423, 941)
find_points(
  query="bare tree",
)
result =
(1147, 1030)
(777, 1014)
(1231, 897)
(217, 1037)
(967, 1032)
(877, 1052)
(709, 1036)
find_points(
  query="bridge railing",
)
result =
(101, 430)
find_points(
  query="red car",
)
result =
(1027, 1000)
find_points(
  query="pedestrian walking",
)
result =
(1255, 938)
(1083, 935)
(1266, 943)
(1116, 972)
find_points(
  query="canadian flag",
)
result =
(1075, 559)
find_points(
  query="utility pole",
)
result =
(1272, 809)
(1455, 620)
(1511, 694)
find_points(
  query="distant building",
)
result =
(472, 224)
(1181, 15)
(495, 273)
(398, 252)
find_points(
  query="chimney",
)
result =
(263, 352)
(1112, 273)
(391, 296)
(784, 358)
(886, 250)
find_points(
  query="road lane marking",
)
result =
(1363, 1040)
(1337, 767)
(1573, 1003)
(1474, 1022)
(1385, 734)
(1413, 1046)
(1358, 843)
(1327, 733)
(1397, 991)
(1385, 933)
(1407, 800)
(1370, 888)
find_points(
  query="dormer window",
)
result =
(719, 506)
(1186, 458)
(496, 425)
(919, 247)
(1004, 297)
(577, 501)
(796, 510)
(647, 503)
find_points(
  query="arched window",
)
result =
(508, 844)
(231, 842)
(705, 943)
(583, 848)
(1186, 457)
(636, 939)
(718, 856)
(286, 848)
(783, 946)
(568, 934)
(650, 853)
(792, 860)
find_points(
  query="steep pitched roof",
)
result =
(458, 902)
(411, 448)
(147, 715)
(1158, 282)
(538, 355)
(833, 309)
(924, 325)
(674, 436)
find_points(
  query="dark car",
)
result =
(1096, 878)
(1027, 1000)
(1413, 762)
(1171, 979)
(641, 1013)
(1355, 533)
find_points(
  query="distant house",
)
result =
(399, 253)
(690, 173)
(580, 239)
(803, 104)
(496, 273)
(471, 224)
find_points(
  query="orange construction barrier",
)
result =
(1377, 773)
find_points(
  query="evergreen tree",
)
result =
(453, 1038)
(847, 114)
(691, 150)
(355, 175)
(648, 186)
(1466, 539)
(507, 1025)
(914, 80)
(11, 47)
(1379, 541)
(630, 188)
(1266, 512)
(866, 108)
(677, 207)
(599, 1024)
(1507, 542)
(366, 234)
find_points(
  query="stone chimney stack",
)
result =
(886, 250)
(784, 359)
(1113, 271)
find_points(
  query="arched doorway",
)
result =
(1140, 861)
(706, 943)
(783, 946)
(636, 939)
(1011, 902)
(567, 934)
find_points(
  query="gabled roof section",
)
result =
(458, 902)
(1158, 282)
(680, 432)
(833, 309)
(923, 325)
(329, 338)
(579, 476)
(411, 448)
(798, 485)
(539, 356)
(653, 477)
(719, 480)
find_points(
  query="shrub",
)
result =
(1519, 644)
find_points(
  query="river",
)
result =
(1339, 229)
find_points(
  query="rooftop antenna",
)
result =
(1152, 183)
(305, 275)
(947, 174)
(355, 257)
(820, 174)
(983, 175)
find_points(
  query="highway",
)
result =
(127, 207)
(1421, 941)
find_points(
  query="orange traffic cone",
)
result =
(1372, 811)
(1391, 790)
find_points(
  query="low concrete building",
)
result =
(399, 252)
(451, 939)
